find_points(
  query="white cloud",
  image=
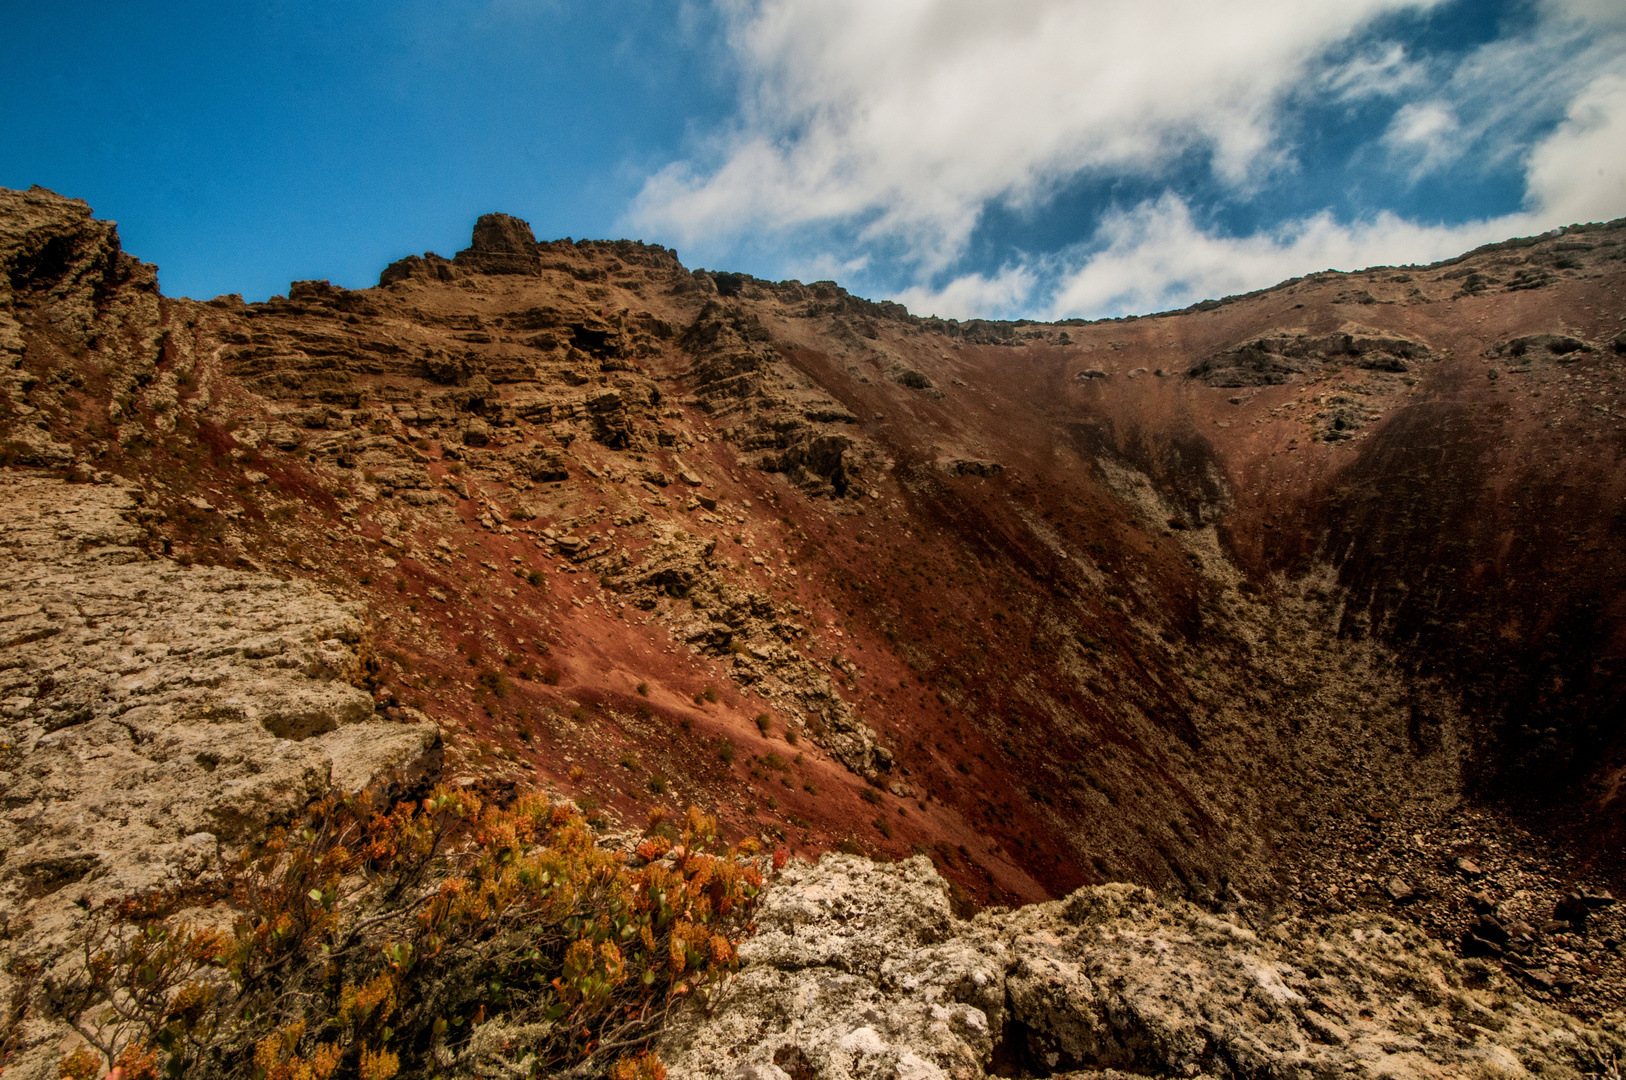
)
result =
(879, 133)
(1491, 107)
(1382, 71)
(1155, 257)
(1579, 173)
(907, 117)
(974, 296)
(1426, 132)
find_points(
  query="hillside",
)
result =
(1307, 601)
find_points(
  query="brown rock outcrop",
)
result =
(501, 245)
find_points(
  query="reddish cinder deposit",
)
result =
(1303, 596)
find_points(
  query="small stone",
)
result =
(1540, 978)
(690, 478)
(1399, 890)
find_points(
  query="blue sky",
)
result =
(1031, 157)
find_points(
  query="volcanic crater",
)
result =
(1308, 599)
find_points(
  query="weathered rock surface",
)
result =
(1273, 361)
(776, 417)
(861, 970)
(151, 713)
(64, 275)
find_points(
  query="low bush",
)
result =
(494, 681)
(423, 939)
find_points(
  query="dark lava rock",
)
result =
(1272, 361)
(1560, 347)
(1490, 929)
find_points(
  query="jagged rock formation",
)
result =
(777, 417)
(68, 268)
(1274, 361)
(859, 970)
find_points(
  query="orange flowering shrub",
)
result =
(370, 942)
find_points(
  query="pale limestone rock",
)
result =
(151, 713)
(859, 970)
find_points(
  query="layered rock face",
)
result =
(859, 970)
(1310, 596)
